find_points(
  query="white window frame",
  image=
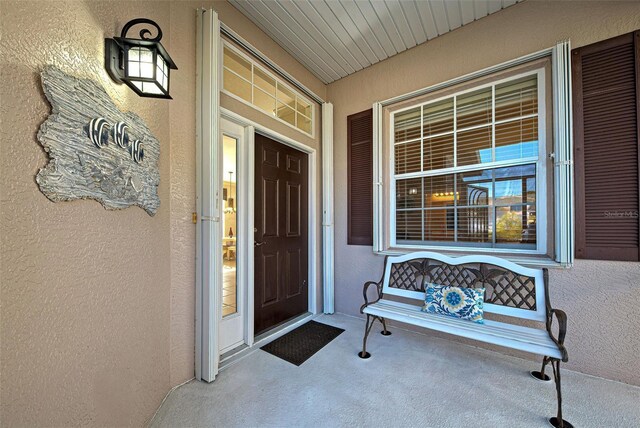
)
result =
(279, 82)
(540, 161)
(562, 157)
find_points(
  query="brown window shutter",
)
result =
(607, 151)
(360, 178)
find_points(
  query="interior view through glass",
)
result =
(229, 196)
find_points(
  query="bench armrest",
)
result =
(364, 293)
(561, 316)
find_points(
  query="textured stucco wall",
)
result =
(601, 298)
(85, 291)
(97, 307)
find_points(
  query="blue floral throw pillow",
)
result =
(459, 302)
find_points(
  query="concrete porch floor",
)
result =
(410, 380)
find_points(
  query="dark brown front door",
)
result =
(281, 235)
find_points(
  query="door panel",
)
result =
(281, 218)
(292, 272)
(270, 270)
(293, 210)
(269, 204)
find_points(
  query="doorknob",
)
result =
(258, 244)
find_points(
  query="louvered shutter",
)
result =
(360, 178)
(606, 136)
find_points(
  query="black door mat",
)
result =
(300, 344)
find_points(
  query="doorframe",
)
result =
(208, 112)
(247, 216)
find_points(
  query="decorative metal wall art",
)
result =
(96, 151)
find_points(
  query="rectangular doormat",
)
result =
(300, 344)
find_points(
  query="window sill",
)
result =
(529, 260)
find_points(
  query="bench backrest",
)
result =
(510, 289)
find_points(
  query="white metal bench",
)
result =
(510, 289)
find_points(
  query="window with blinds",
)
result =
(606, 97)
(251, 83)
(468, 168)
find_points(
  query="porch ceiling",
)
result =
(336, 38)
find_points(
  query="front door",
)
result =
(281, 249)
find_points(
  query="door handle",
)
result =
(258, 244)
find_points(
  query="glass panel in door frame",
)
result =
(233, 302)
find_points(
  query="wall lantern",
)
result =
(142, 64)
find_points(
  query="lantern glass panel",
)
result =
(162, 73)
(148, 87)
(140, 62)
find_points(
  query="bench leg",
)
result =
(367, 328)
(540, 375)
(557, 421)
(384, 332)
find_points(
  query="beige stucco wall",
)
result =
(85, 291)
(600, 298)
(97, 307)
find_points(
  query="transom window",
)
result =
(249, 82)
(468, 169)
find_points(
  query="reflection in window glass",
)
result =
(517, 139)
(474, 225)
(304, 123)
(517, 98)
(486, 207)
(474, 108)
(237, 85)
(264, 101)
(409, 193)
(474, 146)
(409, 225)
(439, 225)
(230, 198)
(237, 64)
(265, 82)
(475, 188)
(286, 113)
(407, 157)
(438, 152)
(454, 148)
(407, 125)
(438, 118)
(286, 96)
(303, 107)
(439, 191)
